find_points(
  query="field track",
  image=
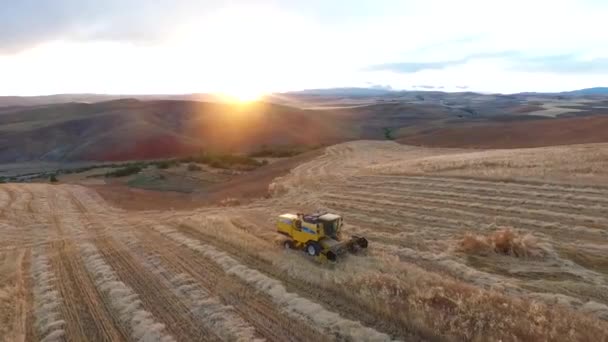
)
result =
(72, 267)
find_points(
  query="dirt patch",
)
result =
(241, 189)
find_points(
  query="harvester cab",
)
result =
(318, 234)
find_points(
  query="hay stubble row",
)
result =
(88, 270)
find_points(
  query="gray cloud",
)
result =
(567, 63)
(26, 23)
(561, 64)
(411, 67)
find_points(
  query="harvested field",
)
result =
(455, 254)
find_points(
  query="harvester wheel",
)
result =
(288, 244)
(313, 248)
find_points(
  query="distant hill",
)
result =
(12, 101)
(588, 91)
(344, 92)
(126, 128)
(132, 129)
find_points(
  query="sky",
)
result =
(251, 47)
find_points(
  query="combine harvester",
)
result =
(318, 234)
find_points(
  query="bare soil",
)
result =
(516, 134)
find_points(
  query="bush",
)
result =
(227, 161)
(388, 134)
(280, 151)
(503, 241)
(163, 165)
(194, 167)
(125, 171)
(53, 179)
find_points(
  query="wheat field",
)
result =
(464, 245)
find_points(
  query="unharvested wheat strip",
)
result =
(455, 213)
(407, 235)
(391, 229)
(47, 300)
(518, 210)
(577, 205)
(499, 189)
(456, 269)
(424, 217)
(421, 218)
(509, 184)
(122, 299)
(291, 303)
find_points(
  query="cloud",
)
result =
(561, 64)
(411, 67)
(564, 63)
(27, 23)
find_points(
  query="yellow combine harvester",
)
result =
(318, 234)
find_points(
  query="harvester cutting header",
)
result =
(318, 234)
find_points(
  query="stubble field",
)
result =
(463, 246)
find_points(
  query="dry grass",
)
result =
(220, 318)
(291, 303)
(503, 241)
(575, 163)
(423, 278)
(123, 299)
(47, 300)
(429, 305)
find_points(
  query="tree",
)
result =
(388, 134)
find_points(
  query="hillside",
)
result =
(515, 134)
(126, 129)
(132, 129)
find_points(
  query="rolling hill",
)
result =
(126, 129)
(133, 129)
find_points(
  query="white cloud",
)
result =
(283, 45)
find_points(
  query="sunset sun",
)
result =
(244, 95)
